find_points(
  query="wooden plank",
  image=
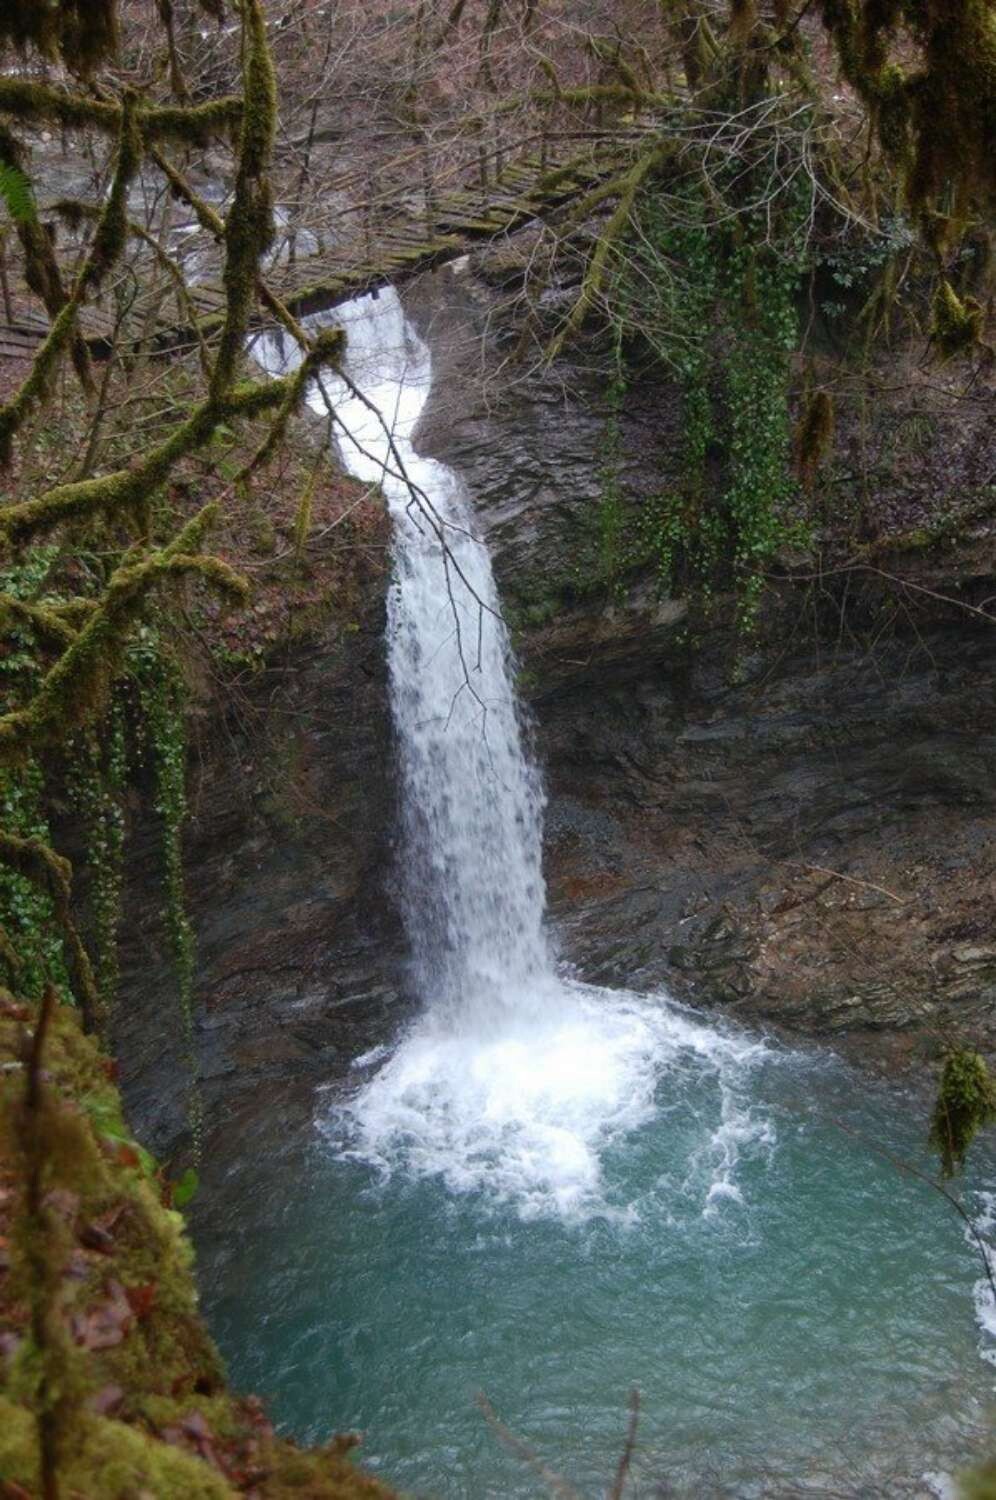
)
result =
(96, 324)
(510, 203)
(11, 333)
(478, 226)
(404, 245)
(204, 294)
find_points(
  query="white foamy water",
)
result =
(514, 1082)
(524, 1113)
(984, 1225)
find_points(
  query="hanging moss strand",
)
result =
(966, 1102)
(163, 696)
(97, 779)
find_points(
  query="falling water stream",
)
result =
(553, 1193)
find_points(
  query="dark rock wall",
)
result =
(288, 860)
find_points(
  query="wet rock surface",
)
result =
(814, 846)
(287, 861)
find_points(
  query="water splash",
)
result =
(525, 1114)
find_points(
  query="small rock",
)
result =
(969, 955)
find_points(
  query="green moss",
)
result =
(108, 244)
(111, 234)
(125, 488)
(325, 349)
(191, 125)
(41, 269)
(957, 324)
(175, 1429)
(979, 1485)
(249, 223)
(77, 687)
(110, 1459)
(38, 385)
(966, 1101)
(625, 189)
(935, 118)
(80, 33)
(302, 518)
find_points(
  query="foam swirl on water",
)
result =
(524, 1115)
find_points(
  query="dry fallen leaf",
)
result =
(141, 1298)
(64, 1202)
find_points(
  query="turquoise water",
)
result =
(797, 1315)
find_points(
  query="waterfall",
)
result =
(471, 804)
(513, 1081)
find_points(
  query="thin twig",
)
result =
(626, 1457)
(868, 885)
(911, 1171)
(521, 1449)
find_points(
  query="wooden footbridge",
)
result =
(396, 248)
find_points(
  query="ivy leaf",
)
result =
(185, 1189)
(107, 1124)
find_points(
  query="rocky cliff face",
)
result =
(801, 832)
(288, 857)
(800, 829)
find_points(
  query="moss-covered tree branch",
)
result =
(87, 499)
(106, 247)
(249, 222)
(197, 125)
(76, 689)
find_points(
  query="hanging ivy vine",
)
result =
(147, 704)
(97, 777)
(162, 699)
(699, 300)
(35, 957)
(32, 955)
(759, 295)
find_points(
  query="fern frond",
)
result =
(17, 193)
